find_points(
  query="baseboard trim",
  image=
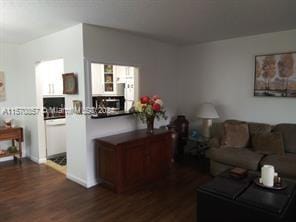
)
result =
(37, 160)
(4, 159)
(93, 182)
(42, 160)
(77, 180)
(34, 159)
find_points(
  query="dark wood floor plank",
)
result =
(31, 192)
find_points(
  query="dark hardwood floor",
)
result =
(32, 192)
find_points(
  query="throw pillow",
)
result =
(236, 134)
(268, 143)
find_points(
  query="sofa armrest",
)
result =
(214, 142)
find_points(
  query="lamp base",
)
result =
(206, 126)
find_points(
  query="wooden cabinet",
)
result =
(130, 159)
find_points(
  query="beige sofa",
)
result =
(223, 158)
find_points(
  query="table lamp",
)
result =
(207, 113)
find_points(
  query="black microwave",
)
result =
(53, 107)
(111, 103)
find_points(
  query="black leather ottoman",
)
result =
(228, 199)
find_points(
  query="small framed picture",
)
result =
(77, 106)
(70, 84)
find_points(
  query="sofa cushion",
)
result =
(268, 143)
(236, 134)
(237, 157)
(288, 132)
(284, 165)
(258, 128)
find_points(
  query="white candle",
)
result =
(267, 175)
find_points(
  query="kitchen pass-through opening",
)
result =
(114, 89)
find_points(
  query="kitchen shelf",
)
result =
(109, 84)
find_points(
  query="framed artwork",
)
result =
(2, 86)
(70, 84)
(275, 75)
(77, 106)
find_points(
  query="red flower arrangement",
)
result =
(147, 108)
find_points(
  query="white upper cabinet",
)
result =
(113, 80)
(51, 74)
(103, 79)
(121, 73)
(97, 71)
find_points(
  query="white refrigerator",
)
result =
(129, 90)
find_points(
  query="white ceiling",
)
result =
(177, 21)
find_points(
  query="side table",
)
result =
(13, 134)
(198, 147)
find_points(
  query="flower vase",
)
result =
(181, 126)
(150, 124)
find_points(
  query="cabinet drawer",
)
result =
(11, 134)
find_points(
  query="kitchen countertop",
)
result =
(55, 117)
(114, 114)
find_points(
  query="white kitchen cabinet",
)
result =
(51, 74)
(55, 136)
(104, 81)
(97, 71)
(121, 73)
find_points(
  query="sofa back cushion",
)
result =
(288, 132)
(259, 128)
(268, 143)
(236, 134)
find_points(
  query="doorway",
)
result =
(52, 121)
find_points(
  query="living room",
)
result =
(187, 52)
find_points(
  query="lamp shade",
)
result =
(207, 111)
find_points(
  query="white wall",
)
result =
(66, 44)
(9, 64)
(222, 72)
(157, 63)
